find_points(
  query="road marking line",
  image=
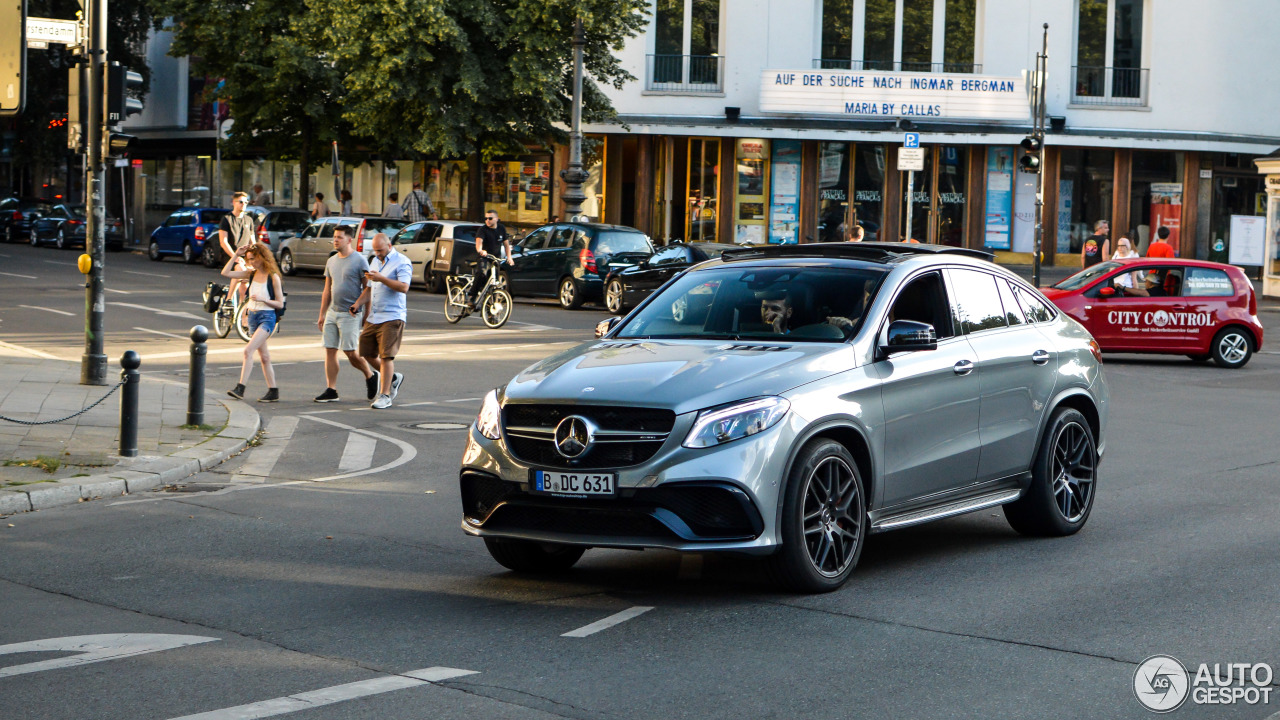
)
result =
(121, 292)
(137, 272)
(415, 404)
(166, 313)
(464, 400)
(276, 364)
(320, 412)
(191, 302)
(331, 695)
(27, 277)
(94, 648)
(59, 262)
(30, 351)
(262, 459)
(160, 332)
(296, 346)
(358, 454)
(608, 622)
(34, 307)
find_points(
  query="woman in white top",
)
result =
(1125, 251)
(266, 296)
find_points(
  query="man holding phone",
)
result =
(339, 314)
(388, 284)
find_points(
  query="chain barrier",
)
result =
(72, 415)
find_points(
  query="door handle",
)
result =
(964, 367)
(1040, 357)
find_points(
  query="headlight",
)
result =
(487, 421)
(726, 424)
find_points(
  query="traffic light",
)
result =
(120, 105)
(1030, 160)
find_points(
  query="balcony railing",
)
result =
(1109, 86)
(685, 73)
(846, 64)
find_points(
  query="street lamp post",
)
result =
(93, 364)
(1042, 67)
(574, 175)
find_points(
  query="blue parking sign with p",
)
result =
(911, 140)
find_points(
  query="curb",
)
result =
(146, 472)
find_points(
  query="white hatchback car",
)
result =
(418, 243)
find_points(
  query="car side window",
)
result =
(311, 230)
(977, 299)
(537, 239)
(1033, 307)
(562, 238)
(174, 220)
(430, 232)
(326, 229)
(408, 235)
(669, 256)
(1012, 311)
(924, 299)
(1207, 282)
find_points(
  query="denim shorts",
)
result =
(262, 319)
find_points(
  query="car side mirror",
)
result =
(909, 335)
(1107, 292)
(604, 327)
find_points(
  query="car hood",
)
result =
(1054, 293)
(682, 375)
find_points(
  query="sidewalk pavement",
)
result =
(75, 460)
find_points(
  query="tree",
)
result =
(459, 78)
(41, 136)
(284, 90)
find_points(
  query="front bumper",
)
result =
(723, 498)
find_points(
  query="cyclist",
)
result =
(491, 240)
(234, 232)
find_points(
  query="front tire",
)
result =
(533, 557)
(153, 252)
(1232, 347)
(497, 309)
(824, 519)
(33, 238)
(61, 240)
(1063, 480)
(209, 256)
(188, 254)
(613, 299)
(569, 295)
(286, 263)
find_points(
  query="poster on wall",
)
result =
(999, 197)
(1248, 237)
(752, 167)
(1065, 203)
(1166, 211)
(784, 205)
(1024, 212)
(495, 182)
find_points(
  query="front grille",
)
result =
(542, 452)
(577, 521)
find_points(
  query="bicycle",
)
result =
(493, 301)
(231, 312)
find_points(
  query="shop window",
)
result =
(867, 28)
(953, 162)
(751, 191)
(833, 191)
(1085, 191)
(921, 199)
(702, 220)
(1236, 193)
(868, 189)
(1155, 198)
(784, 192)
(1108, 68)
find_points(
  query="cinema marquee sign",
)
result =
(865, 94)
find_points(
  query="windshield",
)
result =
(288, 221)
(611, 242)
(1086, 276)
(212, 217)
(760, 303)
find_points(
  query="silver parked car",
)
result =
(788, 401)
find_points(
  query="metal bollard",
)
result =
(130, 361)
(195, 375)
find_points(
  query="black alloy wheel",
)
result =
(1063, 480)
(824, 519)
(209, 256)
(1232, 347)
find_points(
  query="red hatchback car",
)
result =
(1165, 305)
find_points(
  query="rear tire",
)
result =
(1063, 480)
(188, 254)
(432, 282)
(613, 299)
(33, 238)
(569, 294)
(209, 257)
(61, 240)
(1232, 347)
(533, 557)
(455, 304)
(824, 520)
(222, 319)
(153, 251)
(286, 263)
(242, 322)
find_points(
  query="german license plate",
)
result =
(566, 483)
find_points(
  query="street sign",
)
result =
(57, 32)
(911, 140)
(910, 159)
(13, 56)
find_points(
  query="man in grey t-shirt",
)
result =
(339, 320)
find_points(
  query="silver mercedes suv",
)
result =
(788, 401)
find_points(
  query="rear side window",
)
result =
(978, 300)
(287, 221)
(1035, 309)
(408, 234)
(466, 233)
(1207, 282)
(211, 217)
(1012, 311)
(312, 230)
(612, 242)
(390, 226)
(562, 237)
(326, 230)
(536, 240)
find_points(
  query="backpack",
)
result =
(271, 293)
(213, 294)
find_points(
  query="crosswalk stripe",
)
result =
(606, 623)
(331, 695)
(358, 454)
(262, 459)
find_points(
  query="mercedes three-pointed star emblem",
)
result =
(574, 436)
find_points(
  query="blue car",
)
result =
(185, 232)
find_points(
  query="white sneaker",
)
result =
(396, 379)
(382, 403)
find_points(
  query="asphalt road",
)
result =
(327, 565)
